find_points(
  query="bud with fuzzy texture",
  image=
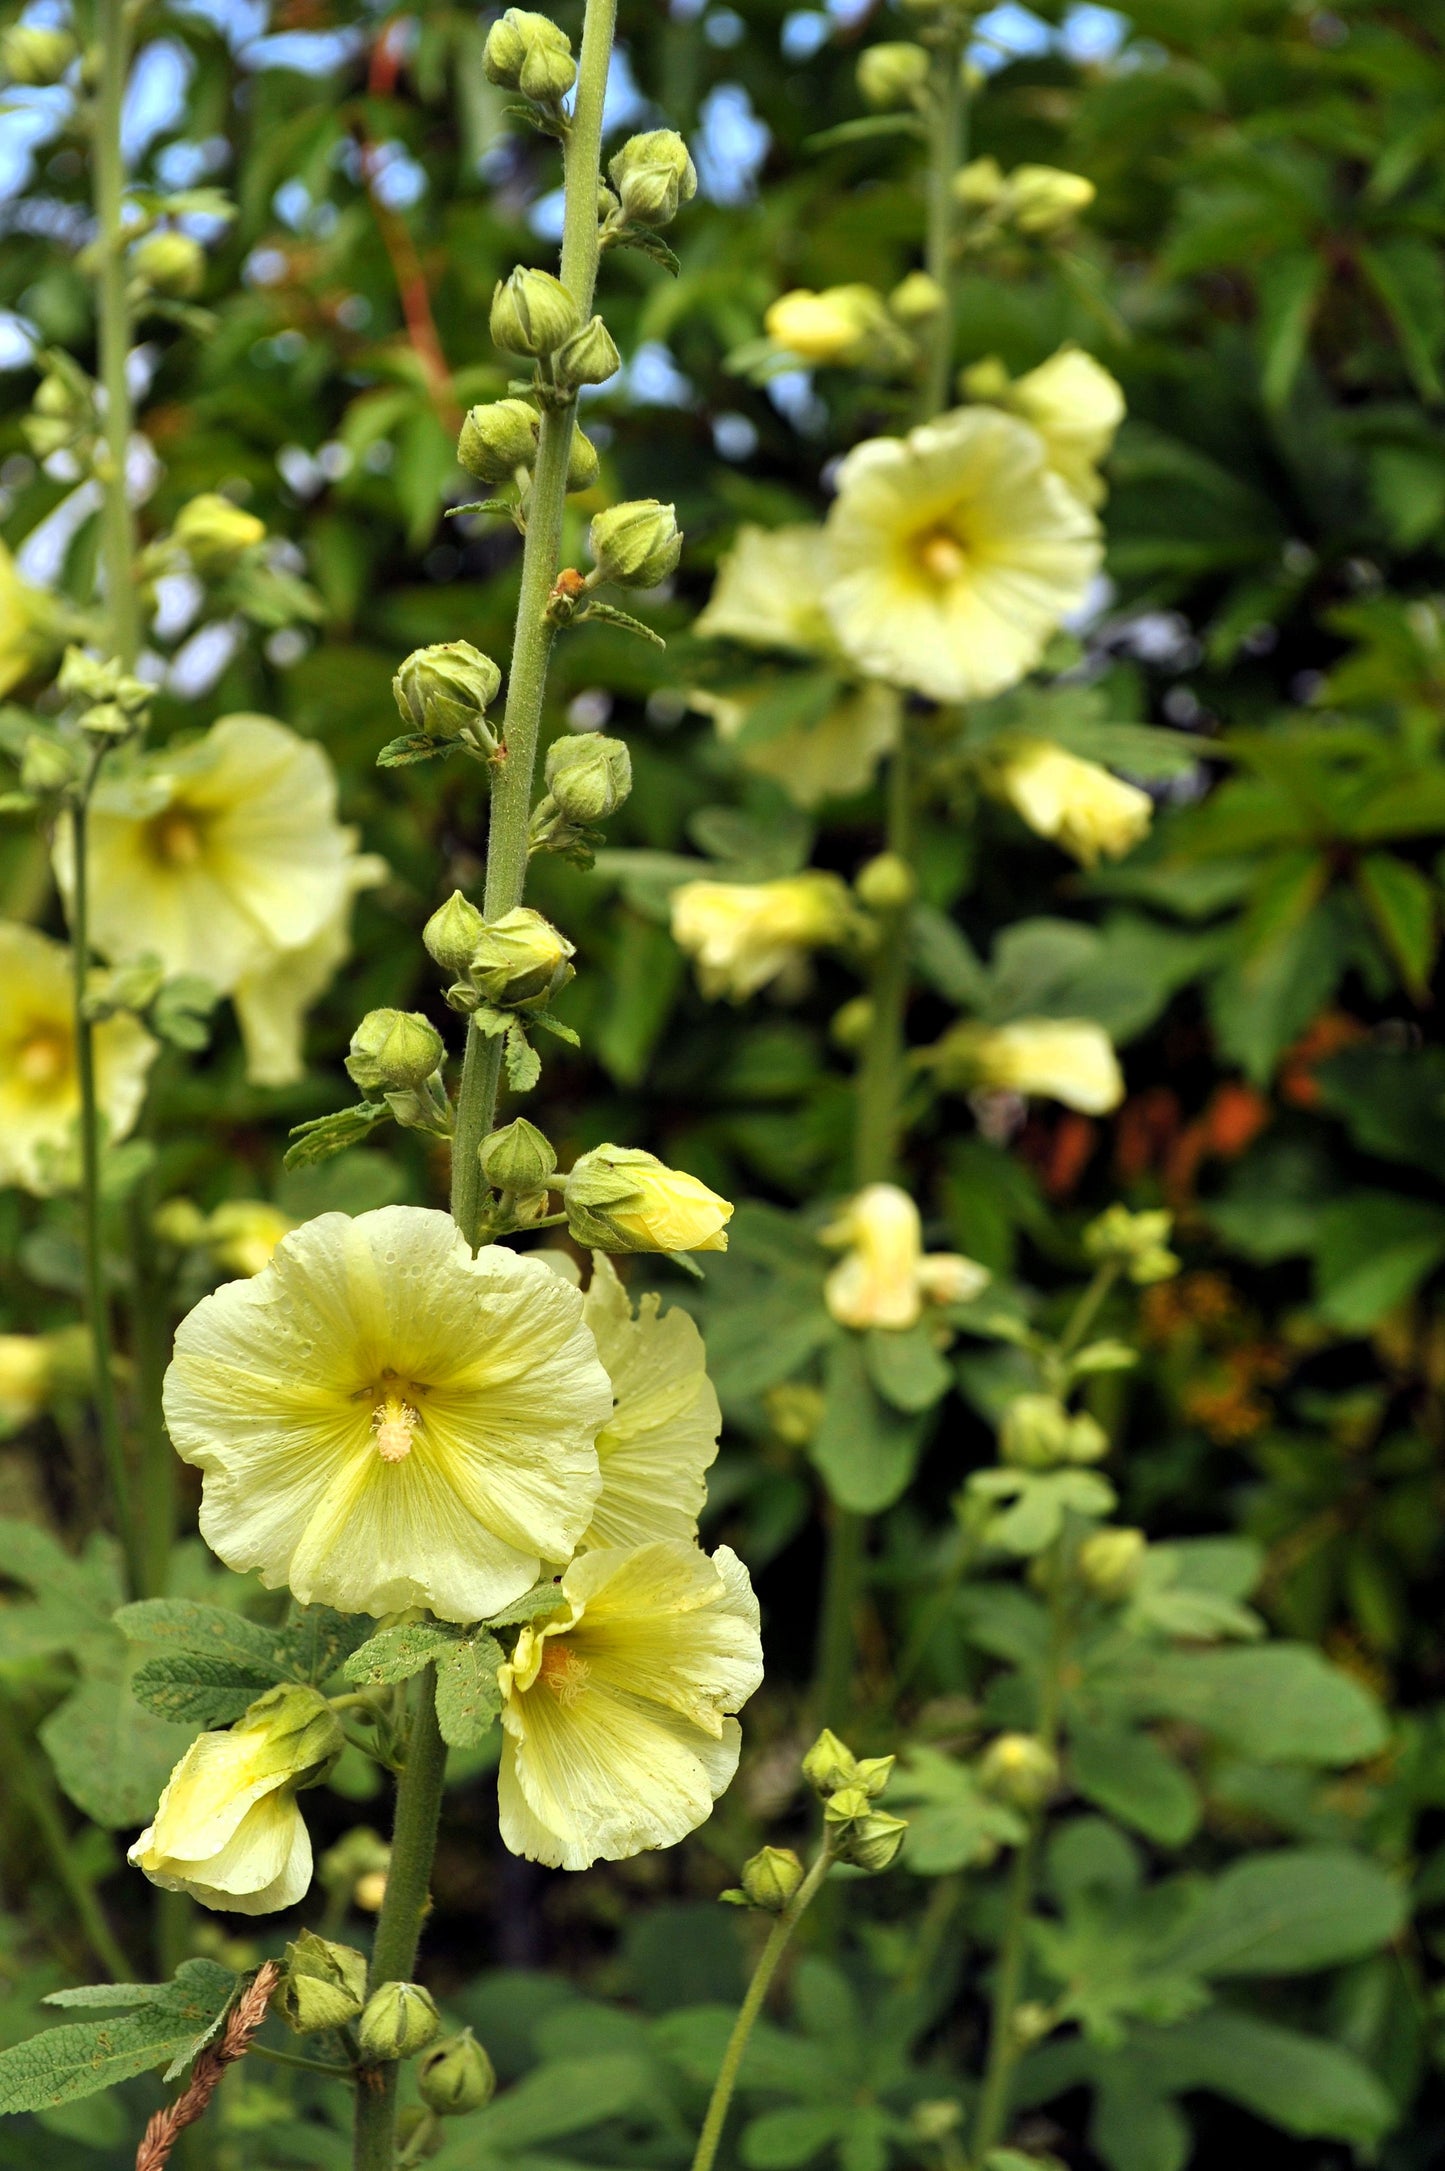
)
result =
(518, 1158)
(858, 1833)
(456, 2076)
(521, 960)
(770, 1879)
(619, 1198)
(892, 75)
(1019, 1769)
(589, 776)
(399, 2020)
(215, 534)
(36, 57)
(170, 264)
(532, 313)
(1110, 1563)
(528, 52)
(636, 544)
(653, 175)
(829, 1764)
(588, 357)
(445, 689)
(498, 438)
(583, 465)
(394, 1051)
(452, 933)
(324, 1985)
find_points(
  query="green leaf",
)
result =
(524, 1065)
(183, 1624)
(865, 129)
(544, 1597)
(1404, 271)
(195, 1690)
(1401, 903)
(1290, 286)
(1133, 2129)
(946, 958)
(796, 2134)
(1290, 1912)
(414, 746)
(1372, 1250)
(952, 1823)
(1127, 1774)
(607, 614)
(1296, 2081)
(865, 1449)
(316, 1640)
(1280, 1703)
(906, 1367)
(1040, 1501)
(468, 1696)
(567, 2097)
(78, 2060)
(323, 1136)
(395, 1654)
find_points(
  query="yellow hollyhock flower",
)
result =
(1076, 803)
(1072, 401)
(622, 1198)
(228, 1830)
(834, 758)
(883, 1278)
(1062, 1059)
(225, 858)
(617, 1735)
(742, 935)
(769, 592)
(39, 1082)
(663, 1432)
(955, 554)
(842, 324)
(30, 632)
(385, 1421)
(243, 1234)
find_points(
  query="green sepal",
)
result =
(607, 614)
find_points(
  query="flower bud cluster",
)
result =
(652, 176)
(1139, 1243)
(518, 962)
(1039, 202)
(528, 52)
(114, 704)
(848, 1786)
(588, 777)
(443, 692)
(1039, 1433)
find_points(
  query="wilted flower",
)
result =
(883, 1278)
(663, 1431)
(956, 552)
(1062, 1059)
(621, 1198)
(1077, 803)
(617, 1734)
(228, 1830)
(385, 1421)
(741, 935)
(39, 1082)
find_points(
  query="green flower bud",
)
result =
(850, 1027)
(589, 776)
(214, 533)
(653, 174)
(324, 1985)
(935, 2119)
(829, 1764)
(917, 299)
(393, 1051)
(867, 1837)
(1087, 1441)
(1019, 1769)
(532, 313)
(517, 1158)
(1110, 1563)
(452, 933)
(46, 765)
(1035, 1432)
(446, 688)
(170, 264)
(770, 1878)
(583, 465)
(892, 75)
(35, 57)
(873, 1773)
(399, 2020)
(885, 884)
(1137, 1242)
(498, 439)
(636, 544)
(520, 959)
(456, 2076)
(529, 53)
(588, 357)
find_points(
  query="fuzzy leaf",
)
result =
(468, 1697)
(395, 1654)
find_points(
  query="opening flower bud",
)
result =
(446, 688)
(619, 1198)
(35, 57)
(1035, 1432)
(829, 1764)
(1110, 1563)
(1019, 1769)
(771, 1877)
(170, 264)
(636, 544)
(868, 1838)
(885, 884)
(452, 933)
(653, 175)
(399, 2020)
(528, 52)
(520, 959)
(589, 356)
(393, 1051)
(1045, 199)
(214, 533)
(456, 2076)
(589, 776)
(842, 324)
(498, 438)
(917, 299)
(324, 1985)
(532, 313)
(892, 75)
(980, 184)
(517, 1158)
(583, 465)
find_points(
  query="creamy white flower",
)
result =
(39, 1081)
(663, 1432)
(883, 1278)
(1076, 406)
(1063, 1059)
(1075, 802)
(744, 934)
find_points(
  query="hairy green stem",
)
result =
(748, 2011)
(398, 1929)
(28, 1775)
(947, 133)
(149, 1331)
(507, 838)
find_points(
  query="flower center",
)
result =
(43, 1058)
(942, 556)
(175, 837)
(394, 1422)
(565, 1672)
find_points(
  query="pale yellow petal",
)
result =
(663, 1433)
(769, 592)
